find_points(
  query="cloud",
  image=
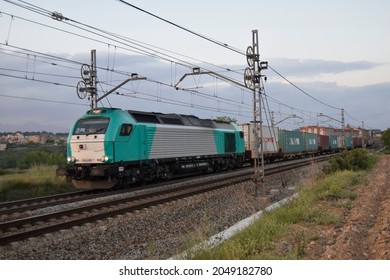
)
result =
(368, 103)
(314, 67)
(211, 100)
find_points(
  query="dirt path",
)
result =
(364, 232)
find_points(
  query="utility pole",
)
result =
(252, 79)
(89, 82)
(93, 80)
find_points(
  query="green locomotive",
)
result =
(107, 146)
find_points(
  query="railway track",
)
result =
(20, 206)
(10, 207)
(19, 229)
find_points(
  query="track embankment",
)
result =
(364, 230)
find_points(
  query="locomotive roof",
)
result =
(177, 119)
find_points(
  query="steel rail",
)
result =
(139, 202)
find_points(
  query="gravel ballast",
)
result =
(159, 232)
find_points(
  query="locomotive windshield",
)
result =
(91, 126)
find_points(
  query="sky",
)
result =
(324, 56)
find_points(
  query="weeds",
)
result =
(300, 241)
(339, 185)
(37, 181)
(261, 240)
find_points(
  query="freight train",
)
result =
(279, 144)
(108, 147)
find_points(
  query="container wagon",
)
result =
(269, 140)
(291, 143)
(348, 142)
(323, 144)
(311, 143)
(357, 142)
(333, 143)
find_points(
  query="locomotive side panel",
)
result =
(178, 141)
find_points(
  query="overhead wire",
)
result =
(301, 90)
(37, 80)
(42, 100)
(152, 52)
(224, 45)
(197, 93)
(230, 48)
(142, 47)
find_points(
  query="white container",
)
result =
(270, 138)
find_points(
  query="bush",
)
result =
(36, 158)
(355, 160)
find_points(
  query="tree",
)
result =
(226, 119)
(386, 137)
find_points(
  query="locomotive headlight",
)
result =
(71, 159)
(104, 159)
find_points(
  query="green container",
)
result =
(333, 142)
(311, 142)
(291, 141)
(348, 142)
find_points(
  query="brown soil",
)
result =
(363, 230)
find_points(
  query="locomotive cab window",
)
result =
(126, 129)
(91, 126)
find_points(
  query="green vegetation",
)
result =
(386, 151)
(37, 181)
(226, 119)
(386, 141)
(24, 158)
(266, 238)
(358, 159)
(35, 158)
(386, 137)
(31, 172)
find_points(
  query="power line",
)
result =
(39, 73)
(42, 100)
(142, 48)
(37, 80)
(228, 47)
(198, 93)
(301, 90)
(183, 28)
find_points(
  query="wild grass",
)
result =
(37, 181)
(262, 239)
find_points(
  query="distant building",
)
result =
(37, 139)
(3, 146)
(321, 130)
